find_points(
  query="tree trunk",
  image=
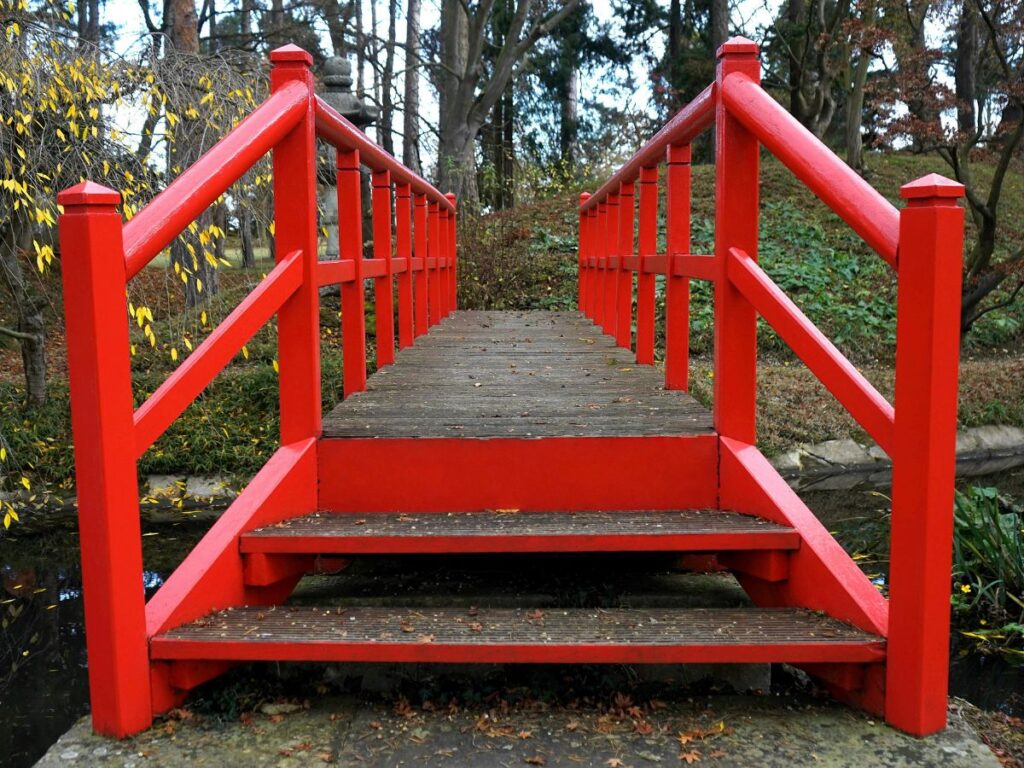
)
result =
(966, 71)
(360, 52)
(387, 102)
(569, 112)
(187, 252)
(411, 102)
(245, 233)
(15, 239)
(245, 25)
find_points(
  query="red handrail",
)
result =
(171, 211)
(100, 253)
(868, 213)
(923, 241)
(687, 124)
(190, 378)
(336, 130)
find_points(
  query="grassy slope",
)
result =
(525, 258)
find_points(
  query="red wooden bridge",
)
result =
(495, 432)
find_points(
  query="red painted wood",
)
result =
(601, 236)
(93, 270)
(677, 296)
(695, 266)
(198, 187)
(326, 650)
(294, 162)
(212, 576)
(765, 566)
(840, 187)
(566, 473)
(339, 132)
(821, 575)
(383, 286)
(422, 324)
(403, 250)
(190, 378)
(335, 272)
(856, 393)
(610, 315)
(583, 251)
(350, 246)
(647, 246)
(259, 570)
(624, 276)
(433, 271)
(445, 261)
(736, 212)
(688, 123)
(924, 456)
(453, 274)
(569, 542)
(594, 279)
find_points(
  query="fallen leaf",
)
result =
(572, 725)
(425, 639)
(537, 760)
(407, 627)
(615, 762)
(693, 756)
(475, 626)
(525, 734)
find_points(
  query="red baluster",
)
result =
(403, 250)
(383, 287)
(611, 276)
(647, 244)
(677, 288)
(420, 234)
(736, 210)
(582, 273)
(350, 247)
(434, 255)
(624, 277)
(453, 273)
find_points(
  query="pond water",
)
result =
(43, 679)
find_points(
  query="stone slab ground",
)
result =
(764, 731)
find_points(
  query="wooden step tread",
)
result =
(649, 635)
(512, 531)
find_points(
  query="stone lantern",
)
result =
(337, 78)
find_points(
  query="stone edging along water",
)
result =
(840, 465)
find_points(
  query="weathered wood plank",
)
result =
(516, 374)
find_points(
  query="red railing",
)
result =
(922, 242)
(100, 254)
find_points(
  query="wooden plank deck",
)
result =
(516, 374)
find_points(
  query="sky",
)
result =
(131, 34)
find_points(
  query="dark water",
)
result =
(43, 678)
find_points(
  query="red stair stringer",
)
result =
(822, 576)
(212, 576)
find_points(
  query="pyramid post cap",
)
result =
(584, 196)
(88, 193)
(932, 185)
(290, 53)
(450, 197)
(737, 46)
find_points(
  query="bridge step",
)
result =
(458, 635)
(703, 530)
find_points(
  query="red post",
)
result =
(583, 274)
(677, 289)
(383, 286)
(624, 278)
(403, 250)
(647, 244)
(295, 229)
(434, 253)
(444, 264)
(422, 324)
(601, 288)
(453, 273)
(350, 247)
(593, 274)
(736, 210)
(110, 536)
(611, 282)
(924, 459)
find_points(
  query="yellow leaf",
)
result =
(174, 354)
(245, 352)
(276, 367)
(3, 454)
(26, 483)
